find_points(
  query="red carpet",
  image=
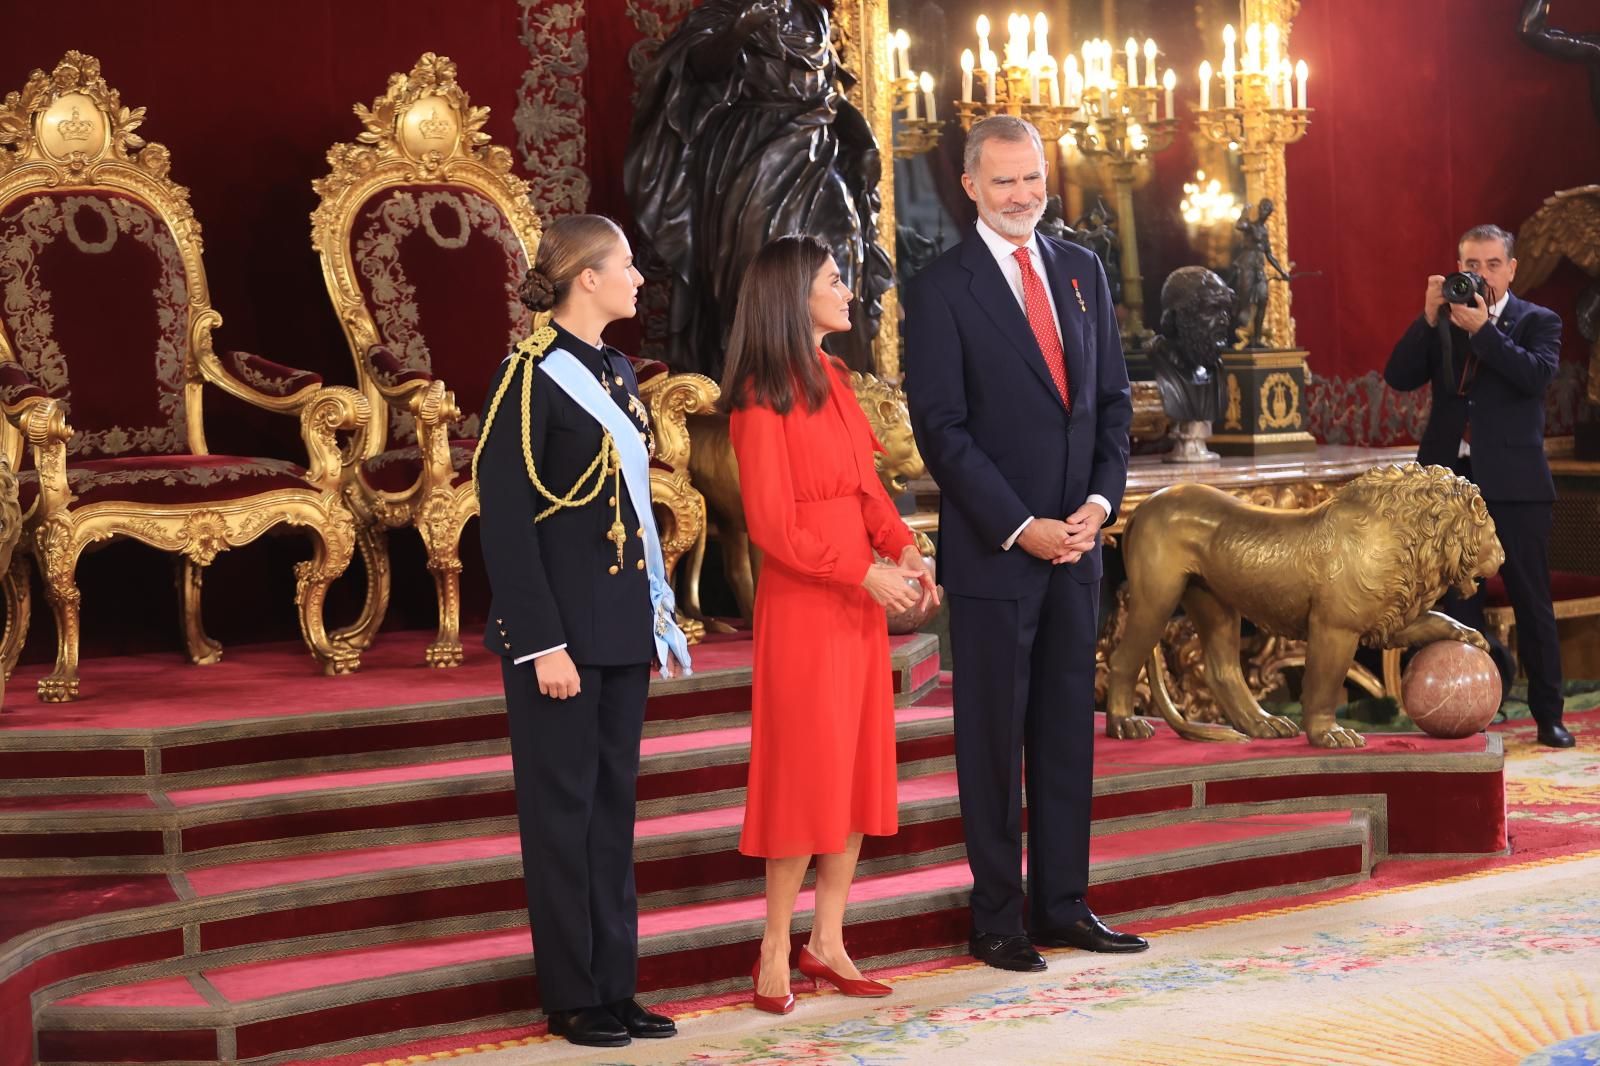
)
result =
(347, 869)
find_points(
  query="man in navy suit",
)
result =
(1020, 403)
(1487, 424)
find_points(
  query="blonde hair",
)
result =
(570, 245)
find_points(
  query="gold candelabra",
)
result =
(1260, 116)
(1026, 83)
(914, 133)
(1117, 125)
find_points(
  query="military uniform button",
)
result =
(613, 569)
(641, 564)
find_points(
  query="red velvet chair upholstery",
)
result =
(425, 235)
(106, 320)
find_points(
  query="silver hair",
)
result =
(1489, 232)
(997, 128)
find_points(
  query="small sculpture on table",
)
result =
(1196, 320)
(1250, 273)
(1053, 223)
(1580, 47)
(743, 134)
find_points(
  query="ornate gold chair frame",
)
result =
(68, 130)
(423, 131)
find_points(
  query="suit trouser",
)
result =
(1024, 681)
(576, 762)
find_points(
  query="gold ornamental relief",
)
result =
(73, 124)
(1280, 403)
(430, 125)
(1231, 417)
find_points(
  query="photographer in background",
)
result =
(1489, 356)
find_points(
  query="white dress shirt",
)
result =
(1495, 310)
(1005, 256)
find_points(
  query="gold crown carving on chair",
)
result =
(425, 234)
(86, 207)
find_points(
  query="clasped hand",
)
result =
(1059, 542)
(898, 587)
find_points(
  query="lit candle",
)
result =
(1252, 48)
(1108, 70)
(1274, 39)
(1228, 37)
(1033, 80)
(1150, 63)
(911, 100)
(1169, 81)
(990, 74)
(1272, 88)
(902, 41)
(1040, 28)
(966, 75)
(1300, 73)
(1052, 82)
(1017, 45)
(1088, 62)
(1069, 76)
(1227, 83)
(1286, 75)
(983, 35)
(888, 41)
(926, 81)
(1075, 92)
(1133, 61)
(1205, 86)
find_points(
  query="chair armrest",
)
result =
(328, 410)
(260, 381)
(414, 392)
(42, 422)
(671, 399)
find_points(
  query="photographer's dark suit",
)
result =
(1496, 404)
(575, 760)
(1002, 447)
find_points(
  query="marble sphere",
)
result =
(911, 619)
(1451, 689)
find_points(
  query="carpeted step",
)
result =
(381, 806)
(256, 714)
(321, 1001)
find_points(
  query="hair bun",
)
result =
(537, 291)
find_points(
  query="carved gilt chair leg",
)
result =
(441, 525)
(373, 541)
(58, 554)
(333, 543)
(203, 651)
(17, 589)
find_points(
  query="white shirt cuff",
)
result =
(538, 654)
(1105, 504)
(1009, 541)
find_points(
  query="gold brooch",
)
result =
(1079, 294)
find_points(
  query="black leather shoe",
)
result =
(590, 1027)
(1555, 735)
(1006, 952)
(1090, 934)
(641, 1023)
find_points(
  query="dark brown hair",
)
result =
(569, 246)
(772, 351)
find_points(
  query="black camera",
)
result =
(1461, 287)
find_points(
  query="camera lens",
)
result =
(1458, 288)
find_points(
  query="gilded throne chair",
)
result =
(106, 320)
(425, 234)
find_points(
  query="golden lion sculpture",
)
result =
(715, 472)
(1363, 567)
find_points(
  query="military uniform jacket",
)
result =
(551, 580)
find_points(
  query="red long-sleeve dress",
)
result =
(822, 759)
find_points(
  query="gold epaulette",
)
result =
(534, 346)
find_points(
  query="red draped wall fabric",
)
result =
(1431, 116)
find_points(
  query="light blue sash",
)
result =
(579, 383)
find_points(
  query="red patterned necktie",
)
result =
(1037, 302)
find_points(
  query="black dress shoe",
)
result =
(1555, 735)
(1006, 952)
(642, 1023)
(1090, 934)
(589, 1026)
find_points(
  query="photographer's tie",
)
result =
(1043, 324)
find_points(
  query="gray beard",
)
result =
(1013, 225)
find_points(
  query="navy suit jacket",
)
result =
(1515, 359)
(989, 421)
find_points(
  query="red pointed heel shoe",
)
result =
(770, 1004)
(814, 968)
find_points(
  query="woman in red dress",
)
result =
(822, 753)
